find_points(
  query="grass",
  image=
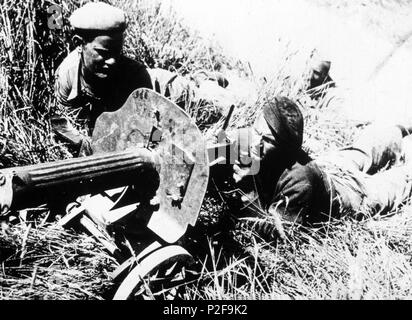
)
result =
(355, 260)
(46, 262)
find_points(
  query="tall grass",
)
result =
(50, 263)
(29, 52)
(356, 260)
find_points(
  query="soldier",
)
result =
(194, 90)
(95, 77)
(320, 79)
(293, 189)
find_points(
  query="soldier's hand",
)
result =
(239, 173)
(221, 136)
(247, 165)
(217, 136)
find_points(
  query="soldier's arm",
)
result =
(61, 125)
(294, 202)
(299, 195)
(134, 74)
(145, 80)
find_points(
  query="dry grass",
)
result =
(44, 262)
(371, 259)
(368, 260)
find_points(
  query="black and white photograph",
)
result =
(193, 150)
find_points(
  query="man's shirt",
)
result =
(303, 195)
(81, 99)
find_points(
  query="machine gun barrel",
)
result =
(33, 185)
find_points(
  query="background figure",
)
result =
(320, 79)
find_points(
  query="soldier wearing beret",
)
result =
(95, 77)
(280, 181)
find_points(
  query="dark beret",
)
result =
(285, 121)
(98, 16)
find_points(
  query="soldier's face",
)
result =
(319, 74)
(263, 134)
(101, 55)
(318, 77)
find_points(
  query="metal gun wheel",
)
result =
(160, 275)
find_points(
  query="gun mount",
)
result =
(149, 160)
(149, 120)
(149, 143)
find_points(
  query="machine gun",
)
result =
(144, 183)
